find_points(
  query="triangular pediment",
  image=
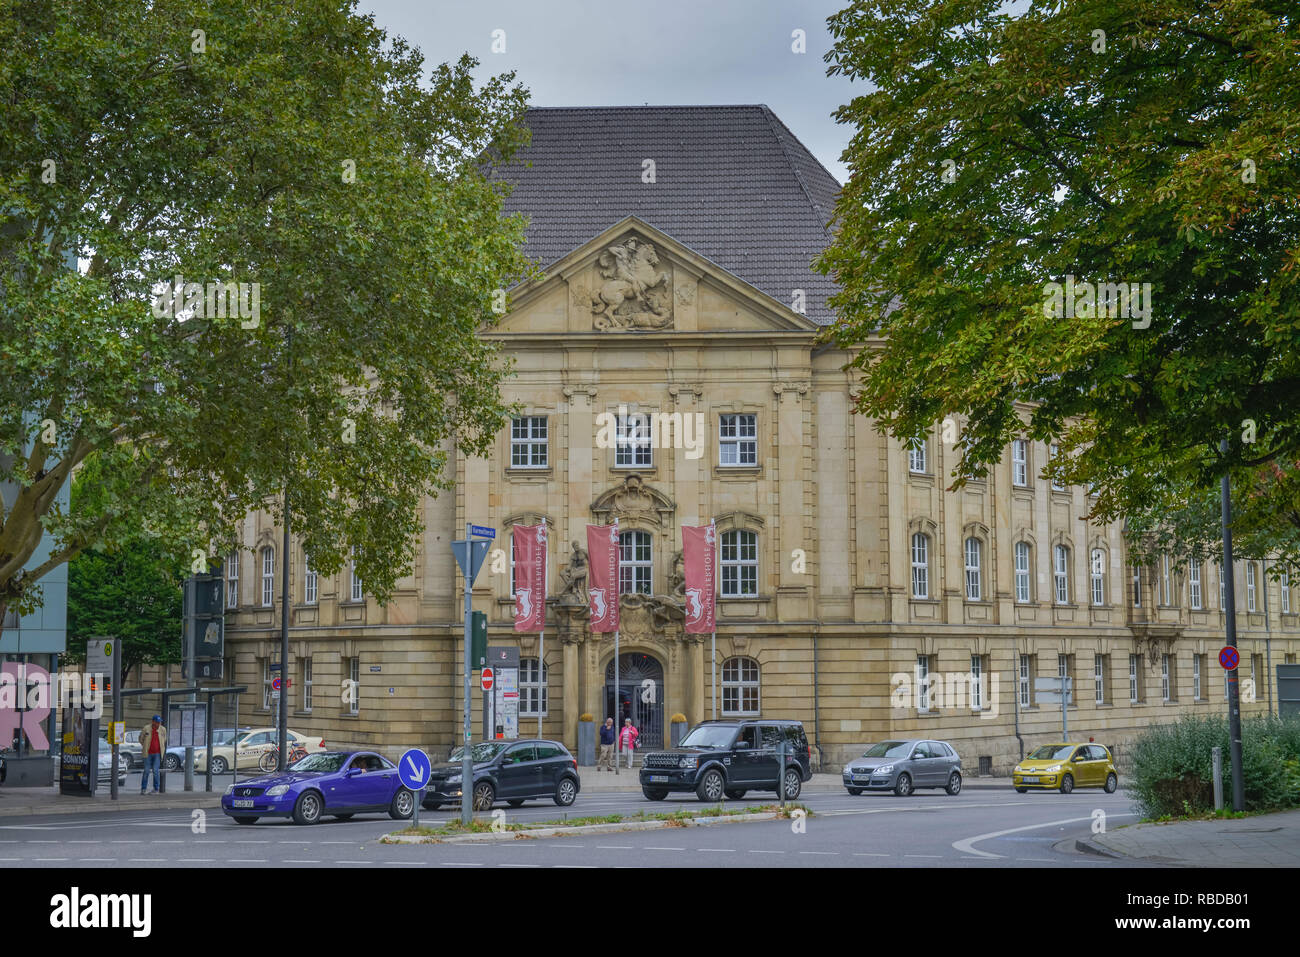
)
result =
(634, 279)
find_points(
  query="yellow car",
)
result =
(250, 747)
(1066, 766)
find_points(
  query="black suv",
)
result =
(730, 757)
(510, 771)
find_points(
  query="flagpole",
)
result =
(541, 636)
(618, 708)
(713, 670)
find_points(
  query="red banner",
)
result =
(602, 576)
(701, 567)
(530, 576)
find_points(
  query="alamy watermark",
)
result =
(953, 690)
(214, 300)
(1128, 300)
(651, 430)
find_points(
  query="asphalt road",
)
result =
(975, 829)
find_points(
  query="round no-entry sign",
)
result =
(1228, 657)
(486, 680)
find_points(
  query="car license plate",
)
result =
(862, 777)
(659, 778)
(1030, 780)
(241, 803)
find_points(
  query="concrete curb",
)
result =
(203, 799)
(562, 831)
(1087, 847)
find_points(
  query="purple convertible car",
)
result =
(330, 783)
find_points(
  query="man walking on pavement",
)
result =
(153, 741)
(627, 737)
(606, 760)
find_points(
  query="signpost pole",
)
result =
(1230, 617)
(466, 764)
(1065, 721)
(117, 715)
(191, 639)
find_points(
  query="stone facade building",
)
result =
(676, 244)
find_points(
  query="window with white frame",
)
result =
(923, 682)
(1053, 455)
(528, 438)
(304, 682)
(916, 455)
(1166, 585)
(1022, 572)
(357, 593)
(1099, 678)
(977, 682)
(1025, 683)
(1098, 577)
(634, 567)
(1137, 586)
(1284, 583)
(739, 563)
(354, 679)
(1062, 575)
(1250, 586)
(632, 441)
(1132, 679)
(737, 439)
(532, 689)
(232, 579)
(1194, 585)
(268, 576)
(1020, 462)
(973, 566)
(920, 565)
(740, 686)
(266, 684)
(1196, 677)
(1164, 678)
(309, 582)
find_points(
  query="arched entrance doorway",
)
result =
(641, 696)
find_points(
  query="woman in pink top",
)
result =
(627, 738)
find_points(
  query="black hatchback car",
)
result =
(510, 771)
(731, 758)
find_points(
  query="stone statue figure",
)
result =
(575, 577)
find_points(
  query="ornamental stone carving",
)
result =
(633, 292)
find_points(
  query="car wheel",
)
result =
(1067, 784)
(173, 763)
(485, 796)
(565, 792)
(308, 808)
(711, 786)
(904, 786)
(1112, 783)
(403, 805)
(343, 817)
(793, 783)
(735, 794)
(654, 794)
(517, 802)
(245, 820)
(219, 766)
(954, 783)
(855, 791)
(1022, 790)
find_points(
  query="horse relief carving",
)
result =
(636, 293)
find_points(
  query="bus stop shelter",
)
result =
(165, 697)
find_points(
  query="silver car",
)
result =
(904, 766)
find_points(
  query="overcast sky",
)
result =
(632, 52)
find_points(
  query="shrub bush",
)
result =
(1173, 766)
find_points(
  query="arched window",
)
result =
(739, 563)
(268, 576)
(532, 688)
(1022, 572)
(1098, 577)
(634, 565)
(920, 565)
(1062, 575)
(973, 566)
(740, 684)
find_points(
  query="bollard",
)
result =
(1217, 759)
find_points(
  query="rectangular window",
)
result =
(357, 593)
(266, 684)
(739, 564)
(1020, 462)
(632, 441)
(309, 582)
(268, 577)
(1166, 586)
(532, 689)
(922, 682)
(1165, 689)
(1098, 577)
(634, 566)
(973, 569)
(1025, 683)
(354, 686)
(1194, 585)
(1137, 586)
(1250, 586)
(1196, 676)
(1133, 679)
(740, 686)
(1052, 456)
(1099, 678)
(1285, 583)
(1062, 575)
(1022, 572)
(528, 442)
(976, 682)
(738, 439)
(232, 579)
(304, 681)
(920, 566)
(916, 455)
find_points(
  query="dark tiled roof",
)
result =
(732, 183)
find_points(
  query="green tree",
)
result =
(132, 593)
(1133, 141)
(291, 146)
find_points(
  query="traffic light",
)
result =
(478, 640)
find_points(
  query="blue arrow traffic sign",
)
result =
(414, 768)
(482, 532)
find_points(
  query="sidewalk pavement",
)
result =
(15, 802)
(1264, 840)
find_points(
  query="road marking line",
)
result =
(767, 852)
(831, 853)
(934, 856)
(49, 858)
(613, 847)
(868, 854)
(965, 845)
(301, 862)
(665, 848)
(126, 842)
(716, 850)
(584, 867)
(519, 865)
(44, 842)
(86, 860)
(166, 842)
(247, 860)
(194, 860)
(145, 860)
(456, 864)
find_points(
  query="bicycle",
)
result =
(270, 759)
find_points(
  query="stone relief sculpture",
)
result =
(636, 294)
(677, 580)
(574, 577)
